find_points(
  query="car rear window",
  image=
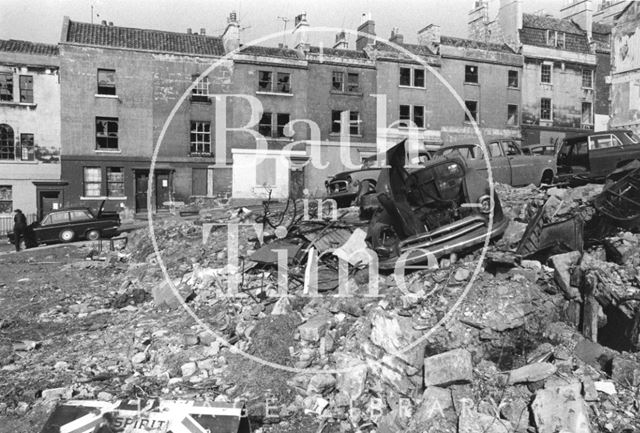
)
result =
(79, 215)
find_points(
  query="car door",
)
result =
(81, 221)
(522, 167)
(605, 151)
(500, 166)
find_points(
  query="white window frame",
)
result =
(590, 71)
(550, 119)
(550, 65)
(202, 146)
(412, 116)
(412, 78)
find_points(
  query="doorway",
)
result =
(142, 181)
(163, 190)
(48, 201)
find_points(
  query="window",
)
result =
(272, 124)
(106, 133)
(6, 199)
(200, 93)
(512, 114)
(92, 181)
(27, 149)
(470, 74)
(354, 122)
(545, 73)
(555, 39)
(545, 109)
(353, 82)
(115, 182)
(472, 106)
(26, 89)
(412, 77)
(266, 83)
(79, 215)
(603, 142)
(587, 78)
(59, 218)
(266, 172)
(337, 81)
(586, 114)
(512, 79)
(200, 138)
(7, 145)
(411, 113)
(510, 149)
(106, 82)
(495, 149)
(6, 87)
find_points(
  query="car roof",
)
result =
(70, 208)
(610, 131)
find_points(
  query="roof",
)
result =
(26, 47)
(337, 52)
(391, 52)
(468, 43)
(604, 29)
(142, 39)
(551, 23)
(257, 50)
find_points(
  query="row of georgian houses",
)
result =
(82, 121)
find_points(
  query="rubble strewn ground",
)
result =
(536, 344)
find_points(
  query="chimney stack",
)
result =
(104, 22)
(396, 37)
(478, 20)
(510, 21)
(110, 23)
(203, 31)
(300, 30)
(341, 41)
(581, 13)
(189, 31)
(367, 26)
(231, 35)
(429, 36)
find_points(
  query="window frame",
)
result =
(26, 137)
(274, 82)
(590, 72)
(350, 88)
(517, 79)
(200, 92)
(198, 132)
(87, 183)
(6, 86)
(544, 65)
(341, 81)
(7, 144)
(5, 200)
(275, 126)
(412, 78)
(477, 111)
(517, 114)
(582, 106)
(26, 90)
(109, 139)
(474, 75)
(354, 124)
(412, 115)
(111, 182)
(108, 86)
(550, 118)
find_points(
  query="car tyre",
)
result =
(93, 235)
(67, 235)
(383, 237)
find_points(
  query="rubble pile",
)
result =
(530, 345)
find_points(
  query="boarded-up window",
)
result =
(92, 181)
(115, 182)
(266, 172)
(199, 181)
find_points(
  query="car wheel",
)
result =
(93, 235)
(547, 177)
(384, 238)
(67, 235)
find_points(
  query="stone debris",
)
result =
(513, 354)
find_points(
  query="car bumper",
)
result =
(110, 232)
(458, 236)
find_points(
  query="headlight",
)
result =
(485, 204)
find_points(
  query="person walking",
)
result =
(19, 228)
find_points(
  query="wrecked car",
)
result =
(509, 164)
(431, 210)
(591, 157)
(345, 187)
(73, 223)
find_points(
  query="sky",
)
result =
(41, 20)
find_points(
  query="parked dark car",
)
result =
(591, 157)
(69, 224)
(433, 210)
(509, 164)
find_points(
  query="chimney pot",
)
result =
(189, 31)
(104, 22)
(367, 26)
(110, 23)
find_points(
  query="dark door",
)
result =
(163, 190)
(142, 183)
(296, 183)
(48, 201)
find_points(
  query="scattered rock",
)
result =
(532, 373)
(561, 408)
(447, 368)
(562, 263)
(315, 327)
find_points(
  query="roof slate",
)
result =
(550, 23)
(27, 47)
(143, 39)
(468, 43)
(337, 52)
(258, 50)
